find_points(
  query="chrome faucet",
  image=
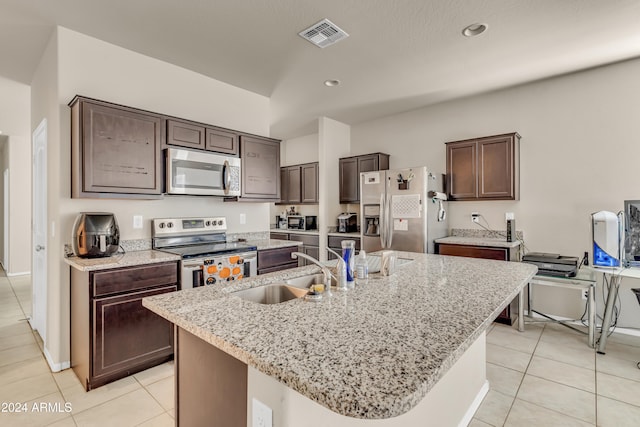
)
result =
(325, 270)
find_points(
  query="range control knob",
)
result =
(169, 225)
(208, 223)
(214, 222)
(161, 225)
(220, 222)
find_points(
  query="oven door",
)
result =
(218, 269)
(202, 173)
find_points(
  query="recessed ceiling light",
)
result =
(331, 83)
(474, 30)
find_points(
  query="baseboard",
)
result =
(56, 367)
(22, 273)
(468, 416)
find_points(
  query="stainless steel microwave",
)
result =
(202, 173)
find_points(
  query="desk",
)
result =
(584, 280)
(615, 276)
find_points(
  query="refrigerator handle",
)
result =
(389, 223)
(383, 223)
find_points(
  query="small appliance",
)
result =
(302, 222)
(347, 222)
(95, 234)
(552, 264)
(202, 173)
(606, 236)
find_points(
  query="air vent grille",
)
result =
(323, 34)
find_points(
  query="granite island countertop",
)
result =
(373, 352)
(479, 241)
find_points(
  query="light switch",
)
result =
(137, 221)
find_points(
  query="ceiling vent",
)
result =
(323, 34)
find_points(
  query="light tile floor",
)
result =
(546, 376)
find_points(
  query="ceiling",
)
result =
(399, 55)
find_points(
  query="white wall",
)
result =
(299, 150)
(78, 64)
(14, 124)
(579, 154)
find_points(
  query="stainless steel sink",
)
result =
(276, 293)
(271, 294)
(306, 281)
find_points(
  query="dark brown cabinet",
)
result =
(484, 168)
(260, 168)
(299, 184)
(194, 135)
(508, 315)
(310, 245)
(115, 151)
(349, 169)
(335, 243)
(270, 260)
(112, 334)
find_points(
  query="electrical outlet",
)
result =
(475, 217)
(585, 294)
(137, 221)
(509, 215)
(262, 414)
(243, 218)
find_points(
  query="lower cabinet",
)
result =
(270, 260)
(310, 245)
(112, 334)
(509, 314)
(336, 245)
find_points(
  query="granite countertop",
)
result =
(315, 232)
(479, 241)
(373, 352)
(347, 235)
(264, 244)
(121, 260)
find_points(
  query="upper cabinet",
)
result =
(299, 184)
(484, 168)
(188, 134)
(350, 169)
(115, 151)
(260, 168)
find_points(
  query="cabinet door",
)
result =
(118, 151)
(474, 251)
(349, 180)
(309, 186)
(293, 184)
(368, 163)
(260, 168)
(279, 236)
(312, 251)
(128, 334)
(185, 134)
(496, 168)
(462, 170)
(222, 141)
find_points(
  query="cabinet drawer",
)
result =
(334, 241)
(306, 239)
(474, 251)
(294, 264)
(133, 278)
(279, 236)
(272, 257)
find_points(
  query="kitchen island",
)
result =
(401, 350)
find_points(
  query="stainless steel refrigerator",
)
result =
(402, 209)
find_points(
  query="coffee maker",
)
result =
(347, 222)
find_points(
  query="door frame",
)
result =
(39, 285)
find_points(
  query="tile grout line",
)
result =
(524, 375)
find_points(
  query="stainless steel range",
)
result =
(207, 257)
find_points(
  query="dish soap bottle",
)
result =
(362, 268)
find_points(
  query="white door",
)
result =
(39, 231)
